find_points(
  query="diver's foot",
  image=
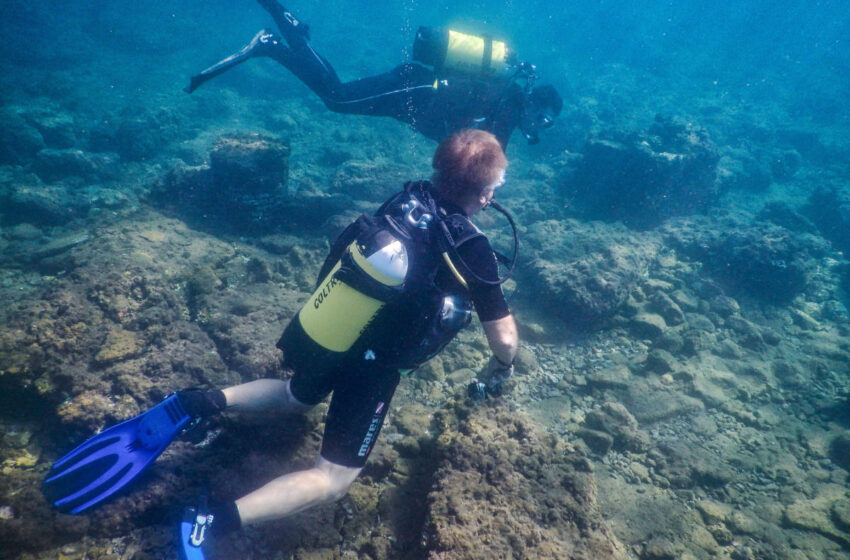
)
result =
(264, 43)
(290, 27)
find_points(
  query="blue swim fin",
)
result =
(112, 459)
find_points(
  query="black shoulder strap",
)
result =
(461, 229)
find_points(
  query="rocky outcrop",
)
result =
(586, 274)
(829, 208)
(242, 189)
(643, 179)
(759, 259)
(505, 490)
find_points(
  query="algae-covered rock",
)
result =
(714, 512)
(614, 419)
(120, 345)
(660, 362)
(590, 290)
(642, 179)
(839, 450)
(665, 306)
(52, 164)
(86, 409)
(648, 325)
(829, 209)
(650, 401)
(758, 259)
(614, 377)
(244, 187)
(19, 142)
(137, 134)
(598, 441)
(250, 162)
(816, 516)
(41, 205)
(505, 490)
(659, 548)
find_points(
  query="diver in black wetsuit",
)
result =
(434, 105)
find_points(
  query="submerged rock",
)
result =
(829, 209)
(243, 189)
(56, 126)
(616, 421)
(505, 490)
(589, 290)
(19, 142)
(52, 164)
(644, 179)
(40, 205)
(739, 170)
(120, 345)
(839, 450)
(137, 135)
(759, 259)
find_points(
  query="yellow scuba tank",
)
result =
(371, 270)
(354, 291)
(448, 50)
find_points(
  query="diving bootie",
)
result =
(293, 30)
(112, 459)
(263, 44)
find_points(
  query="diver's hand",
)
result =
(497, 371)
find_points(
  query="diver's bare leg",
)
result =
(264, 43)
(296, 491)
(264, 395)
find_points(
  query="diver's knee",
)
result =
(291, 401)
(339, 478)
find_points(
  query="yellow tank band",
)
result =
(500, 55)
(466, 52)
(454, 270)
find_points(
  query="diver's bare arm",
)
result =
(502, 337)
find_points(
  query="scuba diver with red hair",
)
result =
(456, 81)
(396, 287)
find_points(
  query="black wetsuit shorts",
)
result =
(362, 391)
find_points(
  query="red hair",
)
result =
(465, 163)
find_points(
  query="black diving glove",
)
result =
(497, 371)
(200, 403)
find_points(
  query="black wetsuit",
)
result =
(411, 93)
(364, 384)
